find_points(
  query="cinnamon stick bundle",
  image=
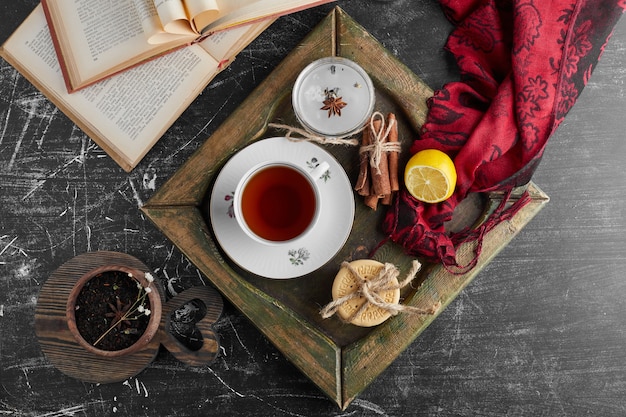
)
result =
(381, 184)
(378, 181)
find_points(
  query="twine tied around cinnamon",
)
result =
(385, 280)
(379, 144)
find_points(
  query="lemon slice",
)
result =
(430, 176)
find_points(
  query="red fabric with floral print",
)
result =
(523, 64)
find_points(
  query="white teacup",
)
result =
(277, 201)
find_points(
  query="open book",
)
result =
(96, 38)
(126, 114)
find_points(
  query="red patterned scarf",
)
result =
(523, 64)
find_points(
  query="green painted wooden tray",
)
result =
(340, 359)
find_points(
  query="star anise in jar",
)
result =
(119, 313)
(333, 103)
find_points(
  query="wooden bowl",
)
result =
(153, 323)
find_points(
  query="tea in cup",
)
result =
(277, 202)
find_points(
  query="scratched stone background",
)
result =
(541, 331)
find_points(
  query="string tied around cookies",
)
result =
(379, 144)
(370, 289)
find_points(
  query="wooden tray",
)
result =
(340, 359)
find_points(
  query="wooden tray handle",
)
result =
(210, 343)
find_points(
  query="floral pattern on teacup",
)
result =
(298, 257)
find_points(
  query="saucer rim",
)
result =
(340, 184)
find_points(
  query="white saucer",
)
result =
(299, 256)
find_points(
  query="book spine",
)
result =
(57, 48)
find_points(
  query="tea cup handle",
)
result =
(210, 339)
(319, 171)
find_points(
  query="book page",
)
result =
(203, 12)
(151, 23)
(237, 12)
(173, 16)
(108, 31)
(100, 37)
(225, 44)
(129, 111)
